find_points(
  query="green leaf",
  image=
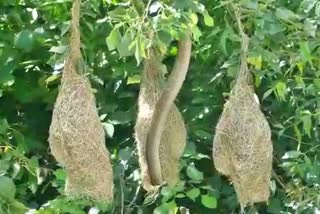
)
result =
(113, 39)
(297, 133)
(274, 206)
(52, 78)
(24, 40)
(256, 61)
(223, 42)
(208, 20)
(316, 82)
(173, 51)
(182, 4)
(281, 90)
(305, 52)
(121, 118)
(4, 166)
(166, 208)
(125, 154)
(135, 79)
(196, 33)
(194, 18)
(179, 187)
(299, 81)
(60, 174)
(209, 201)
(139, 6)
(58, 49)
(16, 207)
(104, 206)
(6, 76)
(109, 128)
(16, 168)
(307, 124)
(253, 5)
(193, 193)
(167, 192)
(308, 5)
(4, 126)
(301, 66)
(141, 46)
(22, 147)
(33, 164)
(203, 134)
(7, 188)
(285, 14)
(267, 93)
(291, 155)
(310, 27)
(194, 173)
(317, 10)
(274, 29)
(180, 195)
(118, 13)
(164, 37)
(124, 46)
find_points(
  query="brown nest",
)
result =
(242, 148)
(76, 136)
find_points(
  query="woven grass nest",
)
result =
(242, 148)
(173, 139)
(76, 136)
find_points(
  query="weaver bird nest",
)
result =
(242, 148)
(77, 138)
(173, 138)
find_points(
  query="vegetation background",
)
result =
(284, 56)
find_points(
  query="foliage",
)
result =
(284, 56)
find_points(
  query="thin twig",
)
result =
(122, 195)
(135, 196)
(279, 181)
(244, 36)
(244, 71)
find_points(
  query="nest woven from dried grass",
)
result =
(173, 138)
(242, 148)
(76, 136)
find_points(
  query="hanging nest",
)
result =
(173, 138)
(242, 148)
(76, 136)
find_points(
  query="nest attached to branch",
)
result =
(173, 138)
(76, 136)
(242, 148)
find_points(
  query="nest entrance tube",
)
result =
(76, 136)
(242, 147)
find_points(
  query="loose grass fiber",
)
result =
(76, 136)
(173, 138)
(242, 148)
